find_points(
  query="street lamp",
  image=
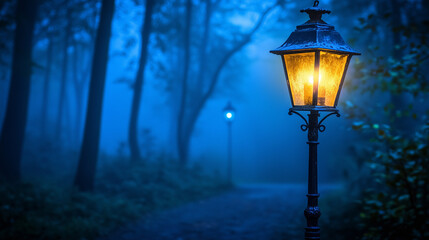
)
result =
(315, 60)
(229, 114)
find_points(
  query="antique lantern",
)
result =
(315, 60)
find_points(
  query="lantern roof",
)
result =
(315, 34)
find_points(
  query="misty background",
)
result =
(112, 114)
(268, 145)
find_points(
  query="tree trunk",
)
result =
(80, 77)
(194, 113)
(12, 136)
(139, 81)
(78, 90)
(188, 126)
(181, 148)
(63, 83)
(205, 42)
(80, 80)
(175, 63)
(84, 179)
(46, 84)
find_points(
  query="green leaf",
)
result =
(357, 125)
(403, 197)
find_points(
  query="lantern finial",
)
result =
(315, 13)
(316, 3)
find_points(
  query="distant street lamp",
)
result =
(229, 114)
(315, 60)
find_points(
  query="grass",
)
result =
(124, 192)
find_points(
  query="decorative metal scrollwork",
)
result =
(322, 127)
(304, 127)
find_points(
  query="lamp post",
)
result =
(315, 60)
(229, 114)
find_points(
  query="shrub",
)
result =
(397, 206)
(124, 192)
(30, 211)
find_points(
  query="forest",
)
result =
(168, 119)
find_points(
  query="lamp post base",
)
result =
(312, 233)
(312, 214)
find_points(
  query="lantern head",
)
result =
(315, 59)
(229, 112)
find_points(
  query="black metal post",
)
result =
(313, 126)
(312, 212)
(229, 152)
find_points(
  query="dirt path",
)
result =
(265, 212)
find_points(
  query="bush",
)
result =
(394, 205)
(157, 184)
(31, 211)
(397, 206)
(124, 192)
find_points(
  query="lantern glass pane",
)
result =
(300, 69)
(331, 71)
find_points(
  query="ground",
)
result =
(265, 212)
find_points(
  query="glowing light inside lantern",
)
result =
(308, 91)
(300, 72)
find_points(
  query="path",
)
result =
(250, 212)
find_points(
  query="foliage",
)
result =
(158, 184)
(397, 206)
(7, 26)
(395, 203)
(32, 211)
(124, 193)
(386, 76)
